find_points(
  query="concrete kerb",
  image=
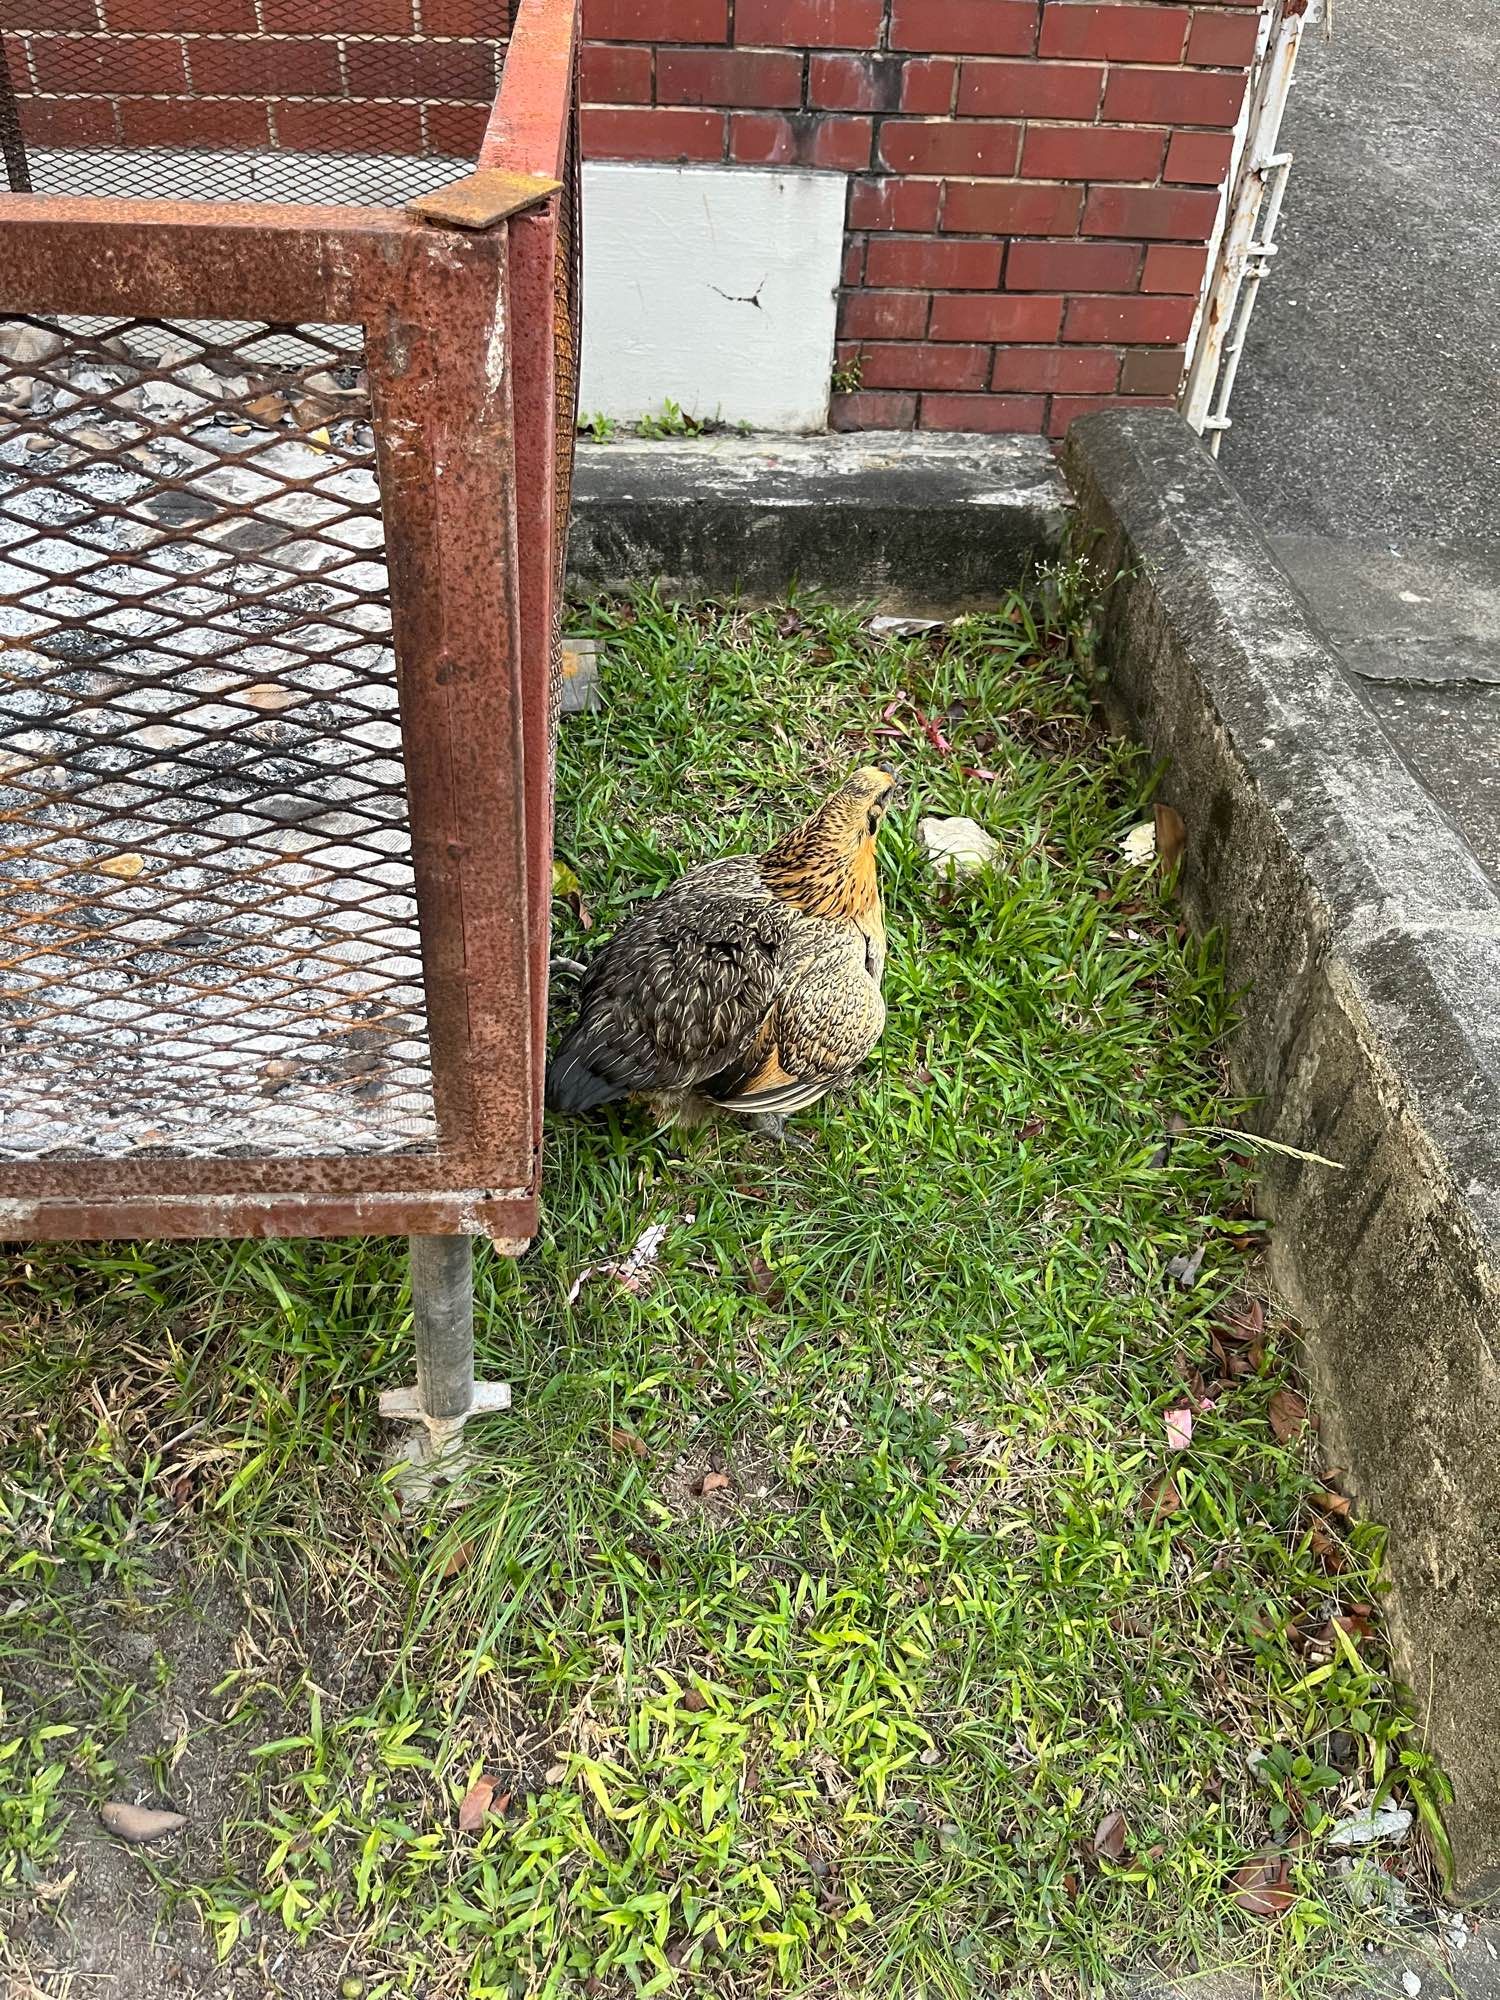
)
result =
(1366, 941)
(904, 521)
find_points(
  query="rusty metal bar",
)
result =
(532, 131)
(533, 265)
(509, 1221)
(200, 260)
(528, 128)
(438, 360)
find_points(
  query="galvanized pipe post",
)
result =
(12, 145)
(442, 1312)
(446, 1395)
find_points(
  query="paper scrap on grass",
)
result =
(632, 1271)
(902, 628)
(1139, 845)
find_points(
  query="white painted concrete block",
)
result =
(714, 286)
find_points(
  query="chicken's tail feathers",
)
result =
(573, 1085)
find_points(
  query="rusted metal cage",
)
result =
(286, 421)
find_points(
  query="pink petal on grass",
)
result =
(1179, 1428)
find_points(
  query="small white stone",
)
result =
(957, 846)
(1411, 1985)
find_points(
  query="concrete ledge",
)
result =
(1367, 943)
(911, 522)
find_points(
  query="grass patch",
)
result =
(856, 1717)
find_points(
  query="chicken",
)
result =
(750, 986)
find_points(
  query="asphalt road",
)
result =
(1368, 402)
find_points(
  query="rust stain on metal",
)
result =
(480, 200)
(529, 125)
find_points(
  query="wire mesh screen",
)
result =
(567, 339)
(208, 926)
(262, 100)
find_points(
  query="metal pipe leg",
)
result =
(442, 1304)
(12, 145)
(446, 1395)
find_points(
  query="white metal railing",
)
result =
(1245, 238)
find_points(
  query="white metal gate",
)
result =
(1245, 236)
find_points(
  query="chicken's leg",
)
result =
(773, 1125)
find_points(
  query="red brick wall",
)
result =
(376, 76)
(1032, 182)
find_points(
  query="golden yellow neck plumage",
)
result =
(827, 867)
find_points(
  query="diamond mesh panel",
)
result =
(567, 338)
(274, 101)
(208, 928)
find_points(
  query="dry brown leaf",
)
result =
(1108, 1843)
(1246, 1323)
(124, 867)
(138, 1824)
(267, 695)
(1171, 837)
(475, 1804)
(695, 1701)
(1328, 1502)
(713, 1482)
(1328, 1552)
(461, 1557)
(1358, 1621)
(763, 1280)
(1160, 1499)
(569, 889)
(555, 1773)
(1288, 1414)
(628, 1441)
(267, 409)
(1263, 1887)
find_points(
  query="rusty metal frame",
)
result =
(459, 339)
(533, 134)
